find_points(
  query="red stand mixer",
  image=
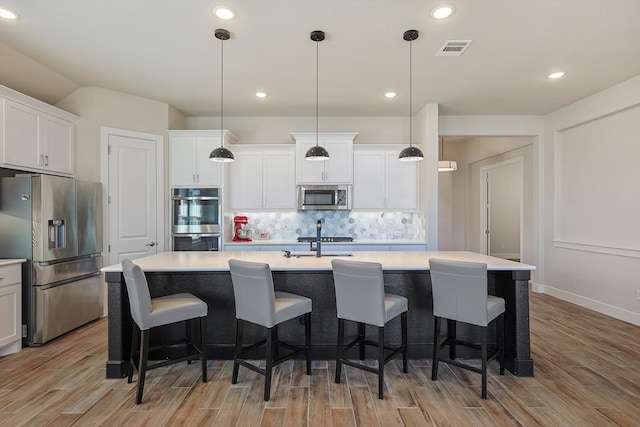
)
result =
(241, 233)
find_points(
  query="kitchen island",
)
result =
(206, 275)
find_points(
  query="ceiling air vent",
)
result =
(453, 47)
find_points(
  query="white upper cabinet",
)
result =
(337, 170)
(262, 179)
(382, 182)
(189, 164)
(35, 136)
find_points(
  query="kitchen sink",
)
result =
(299, 254)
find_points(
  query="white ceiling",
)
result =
(165, 50)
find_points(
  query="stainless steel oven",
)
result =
(196, 217)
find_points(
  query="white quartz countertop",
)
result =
(218, 261)
(4, 262)
(355, 242)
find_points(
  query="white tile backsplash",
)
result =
(359, 225)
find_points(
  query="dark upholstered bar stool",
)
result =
(360, 298)
(258, 303)
(148, 313)
(460, 295)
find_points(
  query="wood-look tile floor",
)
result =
(587, 373)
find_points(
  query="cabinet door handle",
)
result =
(194, 178)
(41, 159)
(46, 160)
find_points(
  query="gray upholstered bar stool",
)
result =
(460, 295)
(258, 303)
(148, 313)
(360, 298)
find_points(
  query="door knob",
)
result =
(151, 244)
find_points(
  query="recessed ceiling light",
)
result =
(443, 11)
(556, 75)
(261, 94)
(390, 95)
(224, 12)
(7, 14)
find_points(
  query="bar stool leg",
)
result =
(269, 367)
(361, 337)
(483, 350)
(403, 325)
(380, 361)
(135, 338)
(339, 353)
(236, 365)
(203, 347)
(142, 372)
(500, 341)
(307, 340)
(452, 335)
(189, 340)
(436, 348)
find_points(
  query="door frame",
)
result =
(484, 200)
(105, 132)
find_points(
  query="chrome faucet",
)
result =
(319, 238)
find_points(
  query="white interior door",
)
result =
(502, 199)
(134, 191)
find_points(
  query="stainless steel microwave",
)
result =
(324, 197)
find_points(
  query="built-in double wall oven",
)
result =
(196, 217)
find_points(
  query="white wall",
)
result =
(592, 237)
(505, 203)
(98, 107)
(277, 130)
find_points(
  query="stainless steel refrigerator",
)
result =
(56, 224)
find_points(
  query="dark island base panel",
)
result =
(216, 289)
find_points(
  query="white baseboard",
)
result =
(598, 306)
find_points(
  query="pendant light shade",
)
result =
(445, 165)
(317, 153)
(411, 153)
(222, 154)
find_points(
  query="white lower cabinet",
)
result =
(10, 309)
(262, 179)
(382, 182)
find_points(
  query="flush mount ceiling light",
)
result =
(411, 153)
(221, 154)
(7, 14)
(224, 12)
(445, 165)
(390, 95)
(442, 12)
(261, 94)
(556, 75)
(317, 153)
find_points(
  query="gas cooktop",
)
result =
(326, 239)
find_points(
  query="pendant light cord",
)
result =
(410, 94)
(317, 88)
(222, 93)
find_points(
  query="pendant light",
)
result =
(445, 165)
(317, 153)
(411, 153)
(221, 154)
